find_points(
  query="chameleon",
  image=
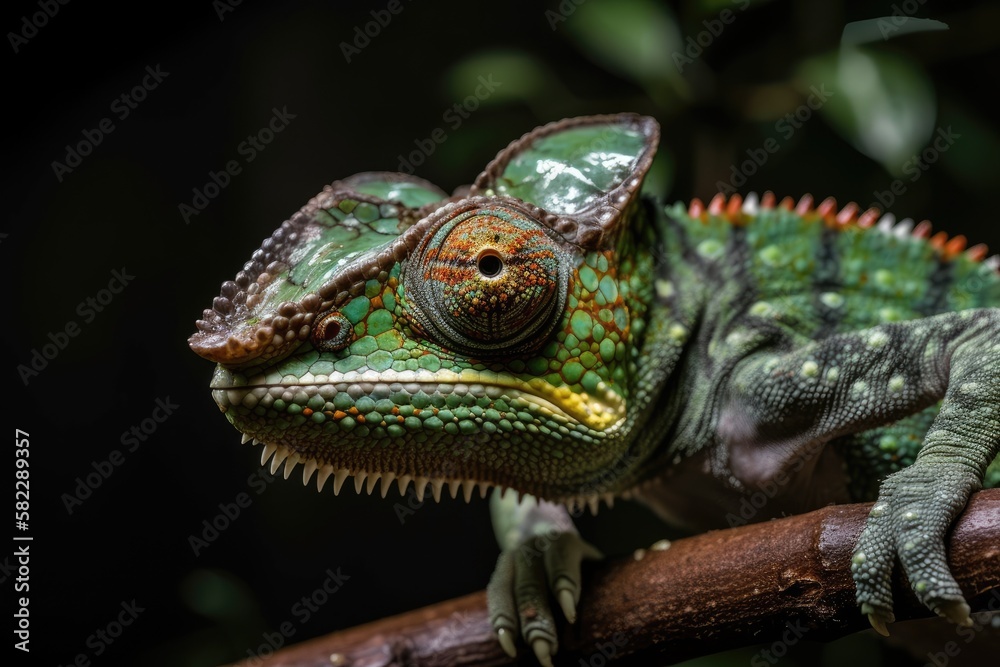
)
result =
(554, 333)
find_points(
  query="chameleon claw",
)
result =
(877, 618)
(958, 612)
(543, 651)
(878, 624)
(506, 638)
(568, 605)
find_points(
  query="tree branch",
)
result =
(712, 592)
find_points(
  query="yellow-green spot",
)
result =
(772, 255)
(347, 205)
(877, 339)
(831, 299)
(678, 333)
(810, 369)
(859, 389)
(896, 384)
(885, 278)
(890, 315)
(888, 443)
(588, 360)
(710, 249)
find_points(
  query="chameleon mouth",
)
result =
(601, 410)
(596, 414)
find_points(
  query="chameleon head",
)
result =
(390, 332)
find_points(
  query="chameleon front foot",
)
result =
(915, 509)
(526, 579)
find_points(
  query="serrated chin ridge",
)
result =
(276, 456)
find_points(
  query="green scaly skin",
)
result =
(555, 331)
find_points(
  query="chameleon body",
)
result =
(554, 330)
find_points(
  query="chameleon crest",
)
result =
(551, 330)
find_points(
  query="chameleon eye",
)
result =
(332, 332)
(488, 281)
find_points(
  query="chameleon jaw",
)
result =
(601, 412)
(367, 480)
(237, 394)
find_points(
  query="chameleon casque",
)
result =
(553, 330)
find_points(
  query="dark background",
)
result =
(62, 239)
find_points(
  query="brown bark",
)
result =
(705, 594)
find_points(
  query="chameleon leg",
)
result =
(540, 557)
(777, 402)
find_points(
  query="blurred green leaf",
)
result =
(498, 76)
(634, 38)
(882, 104)
(886, 27)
